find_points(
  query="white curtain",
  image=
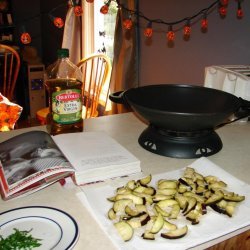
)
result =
(72, 36)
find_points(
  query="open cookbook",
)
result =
(33, 160)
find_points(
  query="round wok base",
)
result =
(180, 145)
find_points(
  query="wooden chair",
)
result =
(96, 69)
(10, 66)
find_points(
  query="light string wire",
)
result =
(160, 21)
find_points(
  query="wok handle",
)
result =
(244, 109)
(117, 97)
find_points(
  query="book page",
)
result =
(28, 154)
(90, 150)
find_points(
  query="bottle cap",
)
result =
(62, 53)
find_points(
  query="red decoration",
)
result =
(25, 38)
(223, 11)
(148, 32)
(204, 23)
(78, 10)
(187, 30)
(90, 1)
(170, 34)
(104, 9)
(127, 24)
(240, 13)
(58, 22)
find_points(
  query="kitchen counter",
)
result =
(126, 128)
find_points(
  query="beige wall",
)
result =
(227, 41)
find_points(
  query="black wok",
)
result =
(180, 107)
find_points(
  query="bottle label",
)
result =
(67, 106)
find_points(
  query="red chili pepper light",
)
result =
(58, 22)
(148, 32)
(104, 9)
(170, 34)
(78, 10)
(25, 38)
(127, 23)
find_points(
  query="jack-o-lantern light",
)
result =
(127, 23)
(25, 38)
(78, 10)
(104, 9)
(148, 32)
(58, 22)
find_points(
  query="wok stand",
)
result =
(179, 144)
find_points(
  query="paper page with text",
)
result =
(93, 150)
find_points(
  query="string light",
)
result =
(78, 10)
(222, 10)
(127, 23)
(25, 38)
(187, 29)
(239, 10)
(204, 23)
(148, 32)
(170, 34)
(105, 8)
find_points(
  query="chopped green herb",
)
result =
(19, 240)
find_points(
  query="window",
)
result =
(104, 27)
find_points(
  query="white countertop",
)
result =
(126, 128)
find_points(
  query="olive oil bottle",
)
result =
(64, 86)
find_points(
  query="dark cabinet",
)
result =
(6, 23)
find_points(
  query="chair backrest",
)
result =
(96, 70)
(9, 67)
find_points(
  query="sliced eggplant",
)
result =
(148, 236)
(161, 211)
(167, 191)
(182, 200)
(175, 234)
(168, 225)
(174, 212)
(112, 214)
(157, 225)
(120, 205)
(146, 180)
(133, 212)
(136, 199)
(134, 223)
(214, 198)
(190, 205)
(234, 197)
(131, 184)
(160, 197)
(145, 218)
(167, 184)
(125, 230)
(196, 196)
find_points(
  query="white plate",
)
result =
(57, 229)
